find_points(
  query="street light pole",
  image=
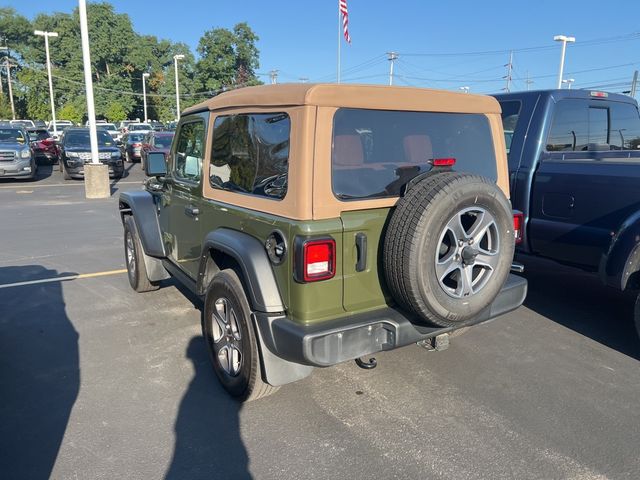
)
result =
(46, 36)
(175, 64)
(564, 39)
(392, 57)
(568, 81)
(144, 94)
(8, 65)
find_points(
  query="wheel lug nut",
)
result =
(460, 243)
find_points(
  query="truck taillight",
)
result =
(518, 226)
(318, 260)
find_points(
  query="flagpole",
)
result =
(339, 41)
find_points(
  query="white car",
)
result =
(140, 128)
(111, 129)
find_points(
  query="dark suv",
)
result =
(323, 223)
(75, 152)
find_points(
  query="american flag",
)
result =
(345, 19)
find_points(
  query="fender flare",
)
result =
(143, 208)
(622, 259)
(258, 277)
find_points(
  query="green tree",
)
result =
(115, 112)
(72, 111)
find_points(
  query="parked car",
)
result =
(322, 223)
(155, 142)
(156, 125)
(574, 163)
(170, 126)
(140, 128)
(60, 126)
(40, 123)
(17, 159)
(75, 151)
(123, 126)
(22, 123)
(132, 146)
(111, 129)
(44, 147)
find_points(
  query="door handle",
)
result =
(192, 211)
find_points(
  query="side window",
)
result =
(189, 151)
(625, 127)
(251, 154)
(510, 115)
(570, 127)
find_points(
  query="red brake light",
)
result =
(599, 94)
(318, 260)
(518, 225)
(136, 144)
(443, 162)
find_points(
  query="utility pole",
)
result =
(46, 36)
(8, 65)
(392, 57)
(528, 81)
(564, 39)
(273, 74)
(634, 84)
(509, 70)
(175, 64)
(144, 94)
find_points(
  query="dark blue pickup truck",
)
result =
(574, 163)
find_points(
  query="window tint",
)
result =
(598, 126)
(251, 154)
(163, 141)
(510, 115)
(625, 126)
(570, 128)
(375, 152)
(189, 151)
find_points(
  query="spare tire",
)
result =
(448, 247)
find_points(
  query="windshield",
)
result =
(136, 137)
(26, 123)
(80, 138)
(11, 135)
(141, 126)
(107, 126)
(163, 141)
(38, 135)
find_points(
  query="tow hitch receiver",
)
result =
(435, 344)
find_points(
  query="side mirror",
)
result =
(156, 165)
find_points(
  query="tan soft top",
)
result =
(352, 96)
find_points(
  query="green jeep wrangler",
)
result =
(323, 223)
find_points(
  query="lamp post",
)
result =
(568, 81)
(8, 65)
(46, 36)
(564, 39)
(144, 94)
(175, 64)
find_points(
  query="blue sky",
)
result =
(299, 38)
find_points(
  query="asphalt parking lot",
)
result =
(100, 382)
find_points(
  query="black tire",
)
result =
(636, 315)
(244, 382)
(420, 241)
(133, 256)
(127, 157)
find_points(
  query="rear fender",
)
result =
(622, 259)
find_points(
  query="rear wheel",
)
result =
(231, 339)
(134, 257)
(448, 247)
(636, 315)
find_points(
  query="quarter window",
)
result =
(251, 154)
(189, 151)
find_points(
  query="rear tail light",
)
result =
(136, 144)
(317, 260)
(47, 142)
(443, 162)
(518, 226)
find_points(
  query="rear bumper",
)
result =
(348, 338)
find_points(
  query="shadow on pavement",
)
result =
(207, 431)
(39, 372)
(579, 301)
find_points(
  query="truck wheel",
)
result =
(133, 254)
(636, 315)
(448, 247)
(231, 340)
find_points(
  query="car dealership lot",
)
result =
(100, 382)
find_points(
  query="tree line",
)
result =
(119, 57)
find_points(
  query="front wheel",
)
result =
(231, 339)
(636, 315)
(134, 257)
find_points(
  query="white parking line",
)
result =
(74, 184)
(63, 279)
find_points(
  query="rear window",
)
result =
(36, 135)
(163, 141)
(376, 152)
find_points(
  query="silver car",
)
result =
(16, 156)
